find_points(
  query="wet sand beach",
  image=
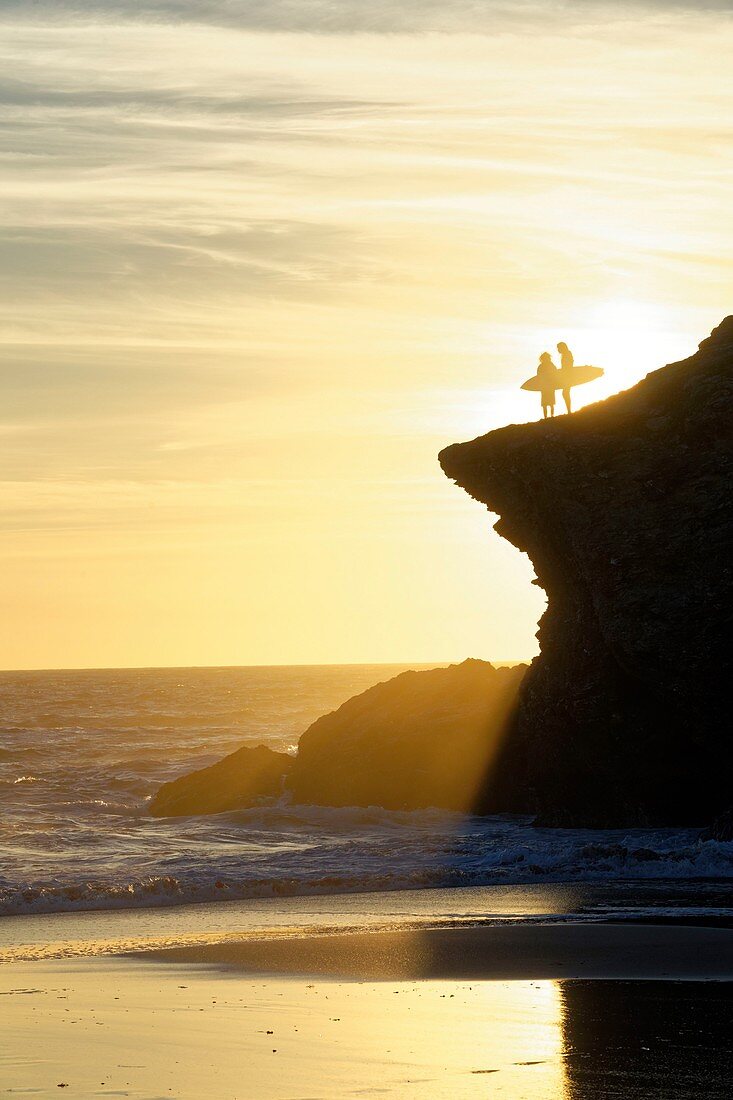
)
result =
(506, 1011)
(500, 952)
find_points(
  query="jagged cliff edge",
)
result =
(625, 511)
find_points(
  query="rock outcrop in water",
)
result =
(625, 511)
(420, 739)
(238, 780)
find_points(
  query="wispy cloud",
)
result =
(280, 104)
(348, 16)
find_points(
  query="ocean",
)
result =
(81, 753)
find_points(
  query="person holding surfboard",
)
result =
(547, 375)
(566, 370)
(548, 378)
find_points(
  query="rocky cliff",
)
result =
(625, 510)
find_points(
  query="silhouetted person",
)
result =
(547, 374)
(566, 365)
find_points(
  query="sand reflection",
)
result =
(142, 1030)
(209, 1030)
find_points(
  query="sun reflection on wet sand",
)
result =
(210, 1025)
(190, 1031)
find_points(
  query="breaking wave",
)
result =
(282, 850)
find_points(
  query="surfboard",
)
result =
(564, 379)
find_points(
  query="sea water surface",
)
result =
(81, 753)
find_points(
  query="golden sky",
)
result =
(262, 261)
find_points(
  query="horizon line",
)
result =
(296, 664)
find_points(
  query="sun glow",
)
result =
(628, 339)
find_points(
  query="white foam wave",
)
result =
(21, 779)
(374, 871)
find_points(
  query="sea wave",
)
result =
(22, 779)
(382, 867)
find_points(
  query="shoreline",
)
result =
(562, 905)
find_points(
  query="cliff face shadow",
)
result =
(636, 1040)
(625, 511)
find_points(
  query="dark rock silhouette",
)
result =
(238, 780)
(721, 829)
(420, 739)
(625, 511)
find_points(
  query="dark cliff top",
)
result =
(695, 388)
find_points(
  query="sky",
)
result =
(261, 261)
